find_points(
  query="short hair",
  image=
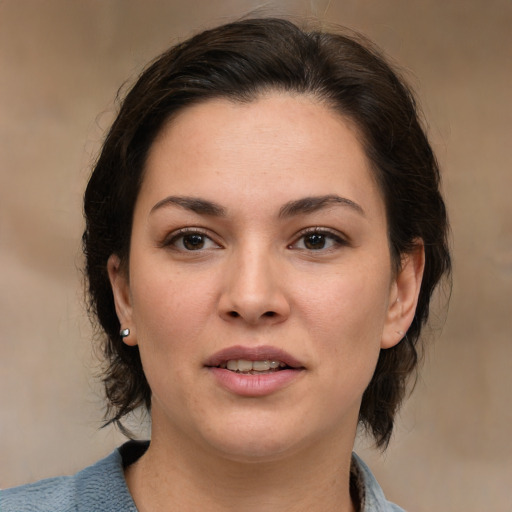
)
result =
(240, 61)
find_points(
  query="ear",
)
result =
(121, 289)
(404, 293)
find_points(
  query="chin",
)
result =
(254, 450)
(260, 441)
(251, 441)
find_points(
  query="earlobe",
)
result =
(404, 296)
(121, 290)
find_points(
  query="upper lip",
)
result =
(258, 353)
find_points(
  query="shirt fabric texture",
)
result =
(102, 488)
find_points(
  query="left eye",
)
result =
(317, 240)
(192, 241)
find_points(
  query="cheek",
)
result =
(169, 303)
(346, 331)
(352, 304)
(170, 315)
(169, 312)
(345, 318)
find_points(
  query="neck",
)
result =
(169, 476)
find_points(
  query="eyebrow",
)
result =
(194, 204)
(315, 203)
(304, 205)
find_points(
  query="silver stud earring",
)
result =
(124, 333)
(402, 333)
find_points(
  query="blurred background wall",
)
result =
(61, 64)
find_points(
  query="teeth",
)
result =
(244, 365)
(261, 366)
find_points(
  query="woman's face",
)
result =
(260, 288)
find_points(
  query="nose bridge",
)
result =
(254, 289)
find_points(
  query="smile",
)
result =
(254, 371)
(253, 367)
(253, 358)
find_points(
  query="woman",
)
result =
(264, 231)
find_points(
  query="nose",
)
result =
(254, 289)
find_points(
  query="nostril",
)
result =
(268, 314)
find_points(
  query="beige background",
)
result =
(61, 63)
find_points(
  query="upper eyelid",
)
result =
(322, 230)
(315, 229)
(189, 230)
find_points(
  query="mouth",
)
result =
(254, 360)
(254, 371)
(248, 367)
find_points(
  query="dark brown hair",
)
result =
(240, 61)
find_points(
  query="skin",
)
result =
(330, 299)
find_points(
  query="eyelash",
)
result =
(171, 240)
(336, 239)
(326, 235)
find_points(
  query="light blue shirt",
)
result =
(102, 488)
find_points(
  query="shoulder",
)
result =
(51, 494)
(99, 487)
(373, 496)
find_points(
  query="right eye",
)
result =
(190, 240)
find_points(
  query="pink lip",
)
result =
(250, 385)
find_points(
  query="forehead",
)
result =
(275, 148)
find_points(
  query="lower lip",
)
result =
(254, 385)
